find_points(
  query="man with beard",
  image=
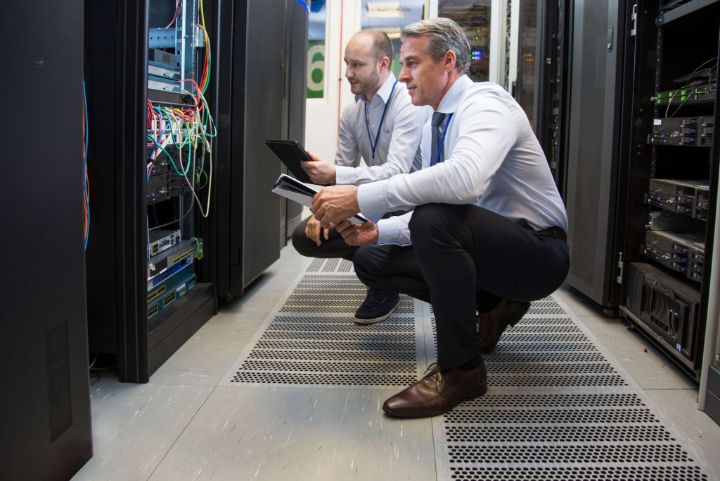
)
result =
(383, 128)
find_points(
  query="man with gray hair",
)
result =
(487, 234)
(383, 128)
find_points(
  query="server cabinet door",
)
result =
(296, 88)
(255, 230)
(592, 146)
(45, 403)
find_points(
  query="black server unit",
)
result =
(184, 208)
(264, 95)
(296, 91)
(672, 174)
(592, 170)
(542, 75)
(45, 405)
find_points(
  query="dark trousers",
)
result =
(465, 259)
(335, 246)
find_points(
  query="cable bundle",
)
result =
(694, 86)
(187, 129)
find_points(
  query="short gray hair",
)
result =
(444, 35)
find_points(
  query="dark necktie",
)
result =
(438, 119)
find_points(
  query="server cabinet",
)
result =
(542, 76)
(672, 175)
(592, 156)
(296, 88)
(125, 318)
(44, 406)
(269, 44)
(145, 75)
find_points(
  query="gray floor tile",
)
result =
(579, 304)
(135, 425)
(700, 431)
(280, 433)
(165, 432)
(647, 366)
(204, 358)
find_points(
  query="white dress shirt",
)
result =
(397, 145)
(493, 160)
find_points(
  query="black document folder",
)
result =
(302, 193)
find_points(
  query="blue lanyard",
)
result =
(382, 119)
(442, 140)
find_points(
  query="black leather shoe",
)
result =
(490, 325)
(437, 392)
(377, 306)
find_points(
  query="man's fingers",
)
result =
(312, 156)
(346, 228)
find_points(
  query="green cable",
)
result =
(172, 161)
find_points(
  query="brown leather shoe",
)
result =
(437, 392)
(490, 325)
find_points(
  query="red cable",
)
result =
(177, 10)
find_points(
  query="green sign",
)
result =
(316, 69)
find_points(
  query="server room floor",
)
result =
(282, 385)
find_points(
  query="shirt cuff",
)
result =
(372, 200)
(345, 175)
(394, 230)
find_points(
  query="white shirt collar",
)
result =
(452, 97)
(384, 91)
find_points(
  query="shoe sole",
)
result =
(428, 414)
(367, 322)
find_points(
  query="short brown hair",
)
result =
(382, 46)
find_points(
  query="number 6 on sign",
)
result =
(315, 69)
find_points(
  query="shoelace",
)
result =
(432, 370)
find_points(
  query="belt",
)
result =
(554, 232)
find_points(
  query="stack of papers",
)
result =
(302, 193)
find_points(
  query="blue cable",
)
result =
(304, 4)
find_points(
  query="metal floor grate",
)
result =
(313, 341)
(557, 408)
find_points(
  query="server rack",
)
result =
(672, 171)
(45, 405)
(130, 49)
(474, 18)
(542, 75)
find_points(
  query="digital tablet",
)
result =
(291, 154)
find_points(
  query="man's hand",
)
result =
(334, 204)
(320, 171)
(313, 231)
(358, 234)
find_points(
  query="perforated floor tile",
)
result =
(313, 341)
(557, 408)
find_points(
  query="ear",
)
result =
(384, 63)
(450, 60)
